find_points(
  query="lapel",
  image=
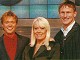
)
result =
(19, 44)
(41, 49)
(74, 28)
(3, 48)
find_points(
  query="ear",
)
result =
(75, 13)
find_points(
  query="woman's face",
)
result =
(39, 31)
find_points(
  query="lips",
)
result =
(65, 19)
(9, 28)
(39, 35)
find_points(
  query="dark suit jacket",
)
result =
(70, 45)
(22, 42)
(43, 53)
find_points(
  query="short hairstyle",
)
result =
(43, 22)
(9, 14)
(69, 4)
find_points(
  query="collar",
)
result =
(65, 32)
(13, 36)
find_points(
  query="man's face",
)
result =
(67, 15)
(9, 25)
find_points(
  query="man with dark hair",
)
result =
(69, 35)
(12, 44)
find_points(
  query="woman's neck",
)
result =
(40, 42)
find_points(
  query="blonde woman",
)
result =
(42, 46)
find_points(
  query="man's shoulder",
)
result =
(21, 36)
(1, 39)
(76, 26)
(59, 32)
(23, 39)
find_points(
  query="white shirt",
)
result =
(65, 32)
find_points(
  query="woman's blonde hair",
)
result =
(42, 21)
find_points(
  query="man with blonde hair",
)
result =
(69, 35)
(12, 44)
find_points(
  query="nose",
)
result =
(65, 14)
(9, 24)
(39, 30)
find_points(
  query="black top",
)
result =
(43, 53)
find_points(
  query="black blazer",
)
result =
(22, 42)
(70, 45)
(43, 53)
